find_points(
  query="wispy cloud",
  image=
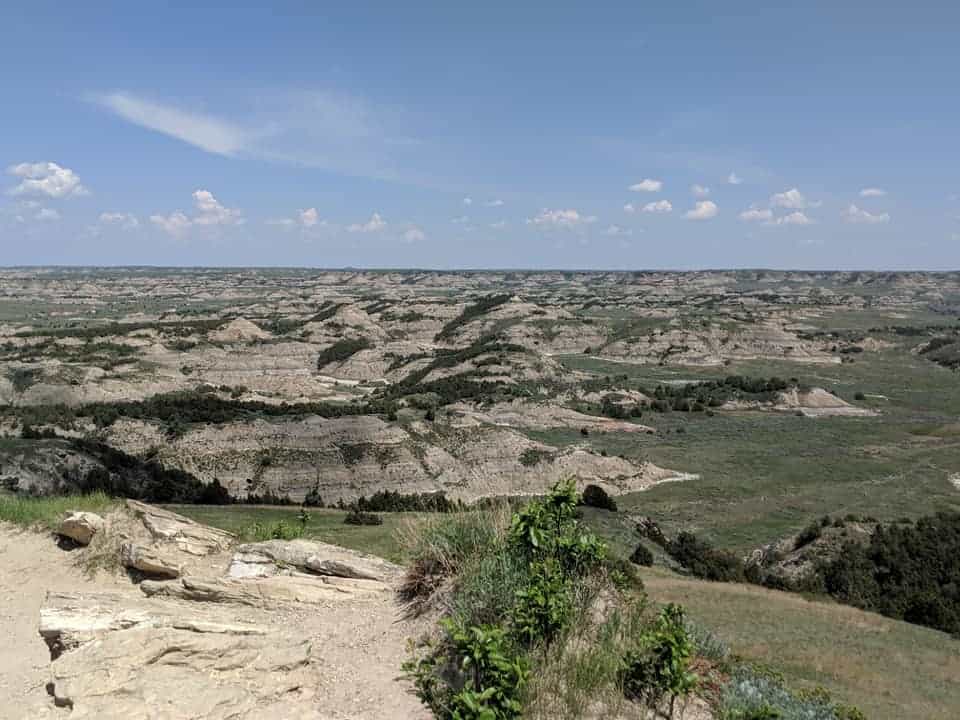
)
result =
(213, 134)
(795, 218)
(125, 221)
(755, 214)
(647, 185)
(872, 192)
(333, 131)
(733, 179)
(374, 224)
(561, 218)
(659, 207)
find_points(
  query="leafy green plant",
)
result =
(473, 674)
(543, 606)
(660, 667)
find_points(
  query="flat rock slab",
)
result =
(116, 657)
(189, 536)
(265, 591)
(149, 561)
(280, 557)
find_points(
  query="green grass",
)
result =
(889, 669)
(764, 475)
(47, 511)
(324, 525)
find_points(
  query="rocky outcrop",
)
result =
(265, 591)
(285, 557)
(149, 561)
(80, 526)
(115, 658)
(190, 537)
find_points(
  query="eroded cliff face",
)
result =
(345, 458)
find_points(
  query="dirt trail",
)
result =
(357, 647)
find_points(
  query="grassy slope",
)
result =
(890, 669)
(324, 525)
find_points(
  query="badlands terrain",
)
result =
(738, 405)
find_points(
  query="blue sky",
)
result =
(567, 135)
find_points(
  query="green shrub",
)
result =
(596, 496)
(473, 673)
(642, 556)
(358, 517)
(342, 350)
(258, 532)
(660, 668)
(543, 606)
(907, 571)
(705, 561)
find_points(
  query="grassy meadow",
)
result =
(891, 670)
(765, 474)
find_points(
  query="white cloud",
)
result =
(660, 207)
(872, 192)
(853, 214)
(125, 221)
(308, 217)
(414, 234)
(733, 179)
(374, 224)
(494, 203)
(175, 224)
(203, 131)
(755, 214)
(561, 218)
(618, 231)
(47, 214)
(46, 178)
(791, 199)
(699, 191)
(211, 212)
(795, 218)
(647, 185)
(498, 225)
(630, 208)
(703, 210)
(467, 201)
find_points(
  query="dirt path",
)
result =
(30, 565)
(357, 646)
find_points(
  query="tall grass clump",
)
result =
(47, 511)
(440, 547)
